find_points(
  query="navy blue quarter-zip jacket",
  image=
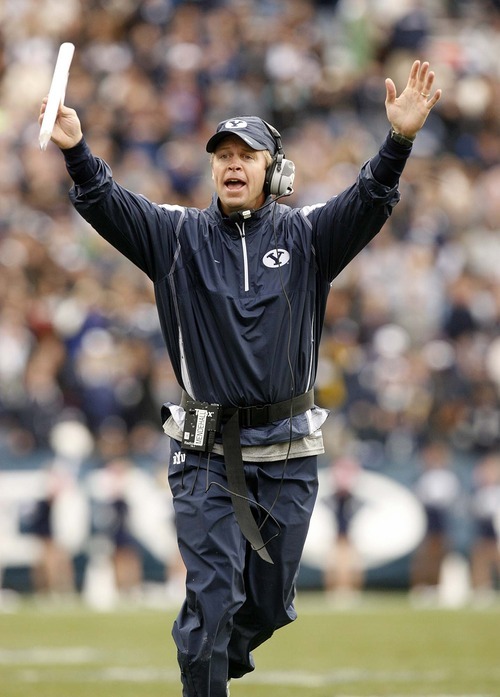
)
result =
(241, 305)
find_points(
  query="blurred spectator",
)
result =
(485, 553)
(112, 529)
(53, 573)
(343, 571)
(58, 517)
(438, 489)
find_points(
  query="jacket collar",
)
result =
(250, 223)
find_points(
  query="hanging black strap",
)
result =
(238, 487)
(233, 418)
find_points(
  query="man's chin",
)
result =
(235, 206)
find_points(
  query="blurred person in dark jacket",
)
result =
(438, 489)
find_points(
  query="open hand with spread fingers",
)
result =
(408, 112)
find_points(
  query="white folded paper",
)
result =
(56, 93)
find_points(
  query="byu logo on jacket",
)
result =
(276, 258)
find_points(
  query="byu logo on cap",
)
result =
(236, 123)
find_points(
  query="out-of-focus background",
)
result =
(410, 357)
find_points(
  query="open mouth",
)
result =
(234, 184)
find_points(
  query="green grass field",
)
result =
(381, 647)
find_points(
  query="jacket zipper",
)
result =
(246, 282)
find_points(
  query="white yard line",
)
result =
(37, 660)
(82, 657)
(74, 655)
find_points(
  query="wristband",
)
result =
(401, 139)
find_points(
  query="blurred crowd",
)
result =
(411, 347)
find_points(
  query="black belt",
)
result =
(232, 419)
(262, 414)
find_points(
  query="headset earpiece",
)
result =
(281, 172)
(279, 176)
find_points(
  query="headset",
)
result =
(281, 172)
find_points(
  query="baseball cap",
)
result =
(251, 129)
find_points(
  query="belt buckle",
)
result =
(258, 415)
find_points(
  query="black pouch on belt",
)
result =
(200, 426)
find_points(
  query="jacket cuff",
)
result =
(80, 163)
(387, 166)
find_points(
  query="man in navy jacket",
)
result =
(241, 289)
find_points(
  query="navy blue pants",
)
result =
(234, 599)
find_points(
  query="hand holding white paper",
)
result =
(56, 93)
